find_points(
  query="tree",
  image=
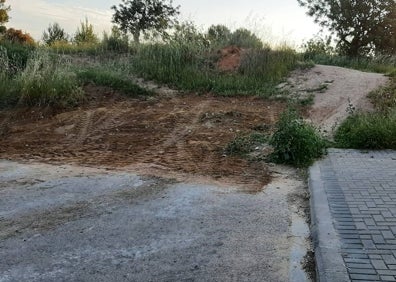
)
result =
(219, 34)
(85, 34)
(55, 33)
(244, 38)
(18, 36)
(187, 32)
(3, 15)
(116, 41)
(361, 26)
(143, 16)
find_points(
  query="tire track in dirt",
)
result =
(182, 136)
(177, 139)
(84, 127)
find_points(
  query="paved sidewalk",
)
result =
(353, 204)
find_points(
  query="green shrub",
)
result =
(116, 41)
(112, 79)
(296, 142)
(244, 38)
(317, 47)
(17, 56)
(368, 131)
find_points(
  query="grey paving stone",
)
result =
(379, 264)
(387, 278)
(364, 277)
(360, 188)
(365, 271)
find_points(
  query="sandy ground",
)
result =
(142, 190)
(336, 90)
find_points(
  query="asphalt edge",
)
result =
(330, 265)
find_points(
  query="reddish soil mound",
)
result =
(230, 58)
(182, 134)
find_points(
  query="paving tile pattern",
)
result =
(361, 190)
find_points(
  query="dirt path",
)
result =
(335, 90)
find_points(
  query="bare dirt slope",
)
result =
(161, 135)
(335, 89)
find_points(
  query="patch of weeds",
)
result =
(307, 100)
(368, 131)
(112, 79)
(384, 99)
(48, 80)
(243, 145)
(296, 142)
(45, 81)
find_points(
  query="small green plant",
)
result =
(368, 131)
(296, 142)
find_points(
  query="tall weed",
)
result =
(296, 142)
(48, 80)
(193, 67)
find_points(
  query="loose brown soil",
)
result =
(230, 58)
(179, 135)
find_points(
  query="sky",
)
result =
(274, 21)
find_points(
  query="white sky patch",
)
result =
(274, 21)
(35, 17)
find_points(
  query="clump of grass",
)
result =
(296, 142)
(368, 131)
(375, 130)
(46, 80)
(188, 66)
(116, 81)
(384, 98)
(267, 64)
(245, 144)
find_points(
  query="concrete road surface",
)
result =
(65, 223)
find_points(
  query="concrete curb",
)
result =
(330, 265)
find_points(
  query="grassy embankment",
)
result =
(45, 76)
